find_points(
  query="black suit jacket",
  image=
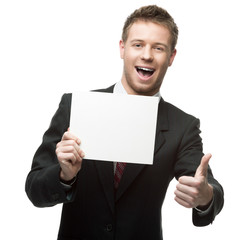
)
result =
(92, 210)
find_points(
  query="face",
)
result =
(147, 55)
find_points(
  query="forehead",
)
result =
(149, 31)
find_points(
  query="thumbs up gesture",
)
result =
(195, 191)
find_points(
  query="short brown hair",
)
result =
(154, 14)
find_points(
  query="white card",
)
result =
(115, 127)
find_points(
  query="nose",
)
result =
(147, 54)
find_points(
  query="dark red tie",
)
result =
(118, 173)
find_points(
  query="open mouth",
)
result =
(145, 72)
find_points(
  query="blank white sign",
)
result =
(115, 127)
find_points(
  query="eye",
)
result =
(138, 45)
(160, 49)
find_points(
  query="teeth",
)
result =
(146, 69)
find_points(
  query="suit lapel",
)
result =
(131, 171)
(108, 90)
(105, 172)
(162, 125)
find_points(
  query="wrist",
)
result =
(208, 203)
(67, 180)
(203, 208)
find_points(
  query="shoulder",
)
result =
(67, 97)
(66, 101)
(177, 116)
(108, 90)
(176, 110)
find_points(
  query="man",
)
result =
(96, 207)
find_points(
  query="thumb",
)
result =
(203, 167)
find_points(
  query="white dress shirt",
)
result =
(118, 88)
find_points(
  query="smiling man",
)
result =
(147, 53)
(108, 200)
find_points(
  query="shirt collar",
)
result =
(118, 88)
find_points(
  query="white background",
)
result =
(51, 47)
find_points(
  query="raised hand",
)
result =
(195, 191)
(69, 156)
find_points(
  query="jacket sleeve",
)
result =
(188, 159)
(43, 185)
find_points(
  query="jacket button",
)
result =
(109, 227)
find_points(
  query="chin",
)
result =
(144, 89)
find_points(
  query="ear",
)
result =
(174, 52)
(121, 48)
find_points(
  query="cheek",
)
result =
(162, 70)
(163, 63)
(128, 61)
(130, 55)
(121, 53)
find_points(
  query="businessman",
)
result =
(108, 200)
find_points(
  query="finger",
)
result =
(69, 152)
(82, 154)
(69, 136)
(66, 158)
(68, 143)
(189, 190)
(182, 202)
(188, 181)
(203, 167)
(67, 146)
(185, 198)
